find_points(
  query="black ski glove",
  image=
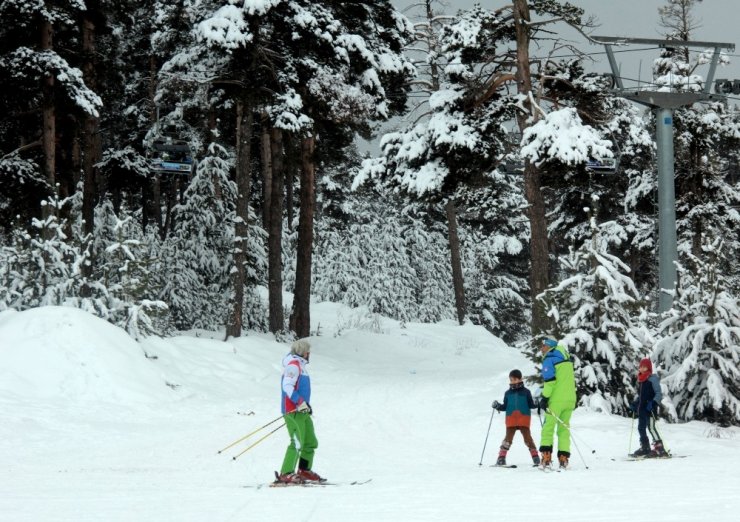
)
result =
(543, 403)
(496, 405)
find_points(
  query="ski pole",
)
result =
(250, 434)
(258, 441)
(571, 434)
(654, 418)
(632, 429)
(486, 441)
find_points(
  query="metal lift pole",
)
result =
(662, 104)
(667, 237)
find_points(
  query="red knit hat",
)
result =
(643, 376)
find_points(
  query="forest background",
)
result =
(482, 205)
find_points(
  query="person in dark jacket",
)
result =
(646, 406)
(518, 404)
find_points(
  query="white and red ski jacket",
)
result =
(295, 383)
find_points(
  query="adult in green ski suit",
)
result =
(558, 401)
(295, 387)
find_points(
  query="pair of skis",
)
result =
(314, 483)
(278, 484)
(632, 458)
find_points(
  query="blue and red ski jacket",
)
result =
(518, 404)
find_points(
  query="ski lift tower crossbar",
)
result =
(663, 104)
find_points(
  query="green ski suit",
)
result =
(560, 391)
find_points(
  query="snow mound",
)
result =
(66, 354)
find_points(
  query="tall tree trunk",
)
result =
(300, 319)
(152, 206)
(48, 111)
(275, 232)
(291, 161)
(267, 172)
(171, 199)
(539, 253)
(90, 144)
(458, 283)
(243, 171)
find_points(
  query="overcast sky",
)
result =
(719, 22)
(719, 19)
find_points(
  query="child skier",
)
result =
(517, 404)
(646, 407)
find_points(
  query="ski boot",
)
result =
(658, 450)
(501, 461)
(563, 459)
(307, 475)
(288, 478)
(546, 460)
(535, 457)
(643, 452)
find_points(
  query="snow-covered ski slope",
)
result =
(92, 430)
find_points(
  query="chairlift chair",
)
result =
(171, 156)
(604, 166)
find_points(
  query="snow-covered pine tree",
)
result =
(700, 346)
(569, 181)
(595, 311)
(632, 238)
(496, 283)
(369, 264)
(22, 185)
(196, 253)
(706, 198)
(41, 267)
(428, 250)
(450, 153)
(125, 291)
(40, 84)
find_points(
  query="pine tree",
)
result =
(41, 267)
(197, 274)
(705, 198)
(41, 82)
(449, 155)
(596, 310)
(700, 345)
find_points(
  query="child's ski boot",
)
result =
(658, 450)
(535, 457)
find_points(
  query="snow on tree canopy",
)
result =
(229, 27)
(562, 136)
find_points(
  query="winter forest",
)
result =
(185, 164)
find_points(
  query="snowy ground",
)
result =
(91, 429)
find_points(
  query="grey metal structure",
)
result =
(662, 103)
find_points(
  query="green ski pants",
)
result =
(303, 442)
(563, 412)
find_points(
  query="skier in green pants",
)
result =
(296, 408)
(558, 400)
